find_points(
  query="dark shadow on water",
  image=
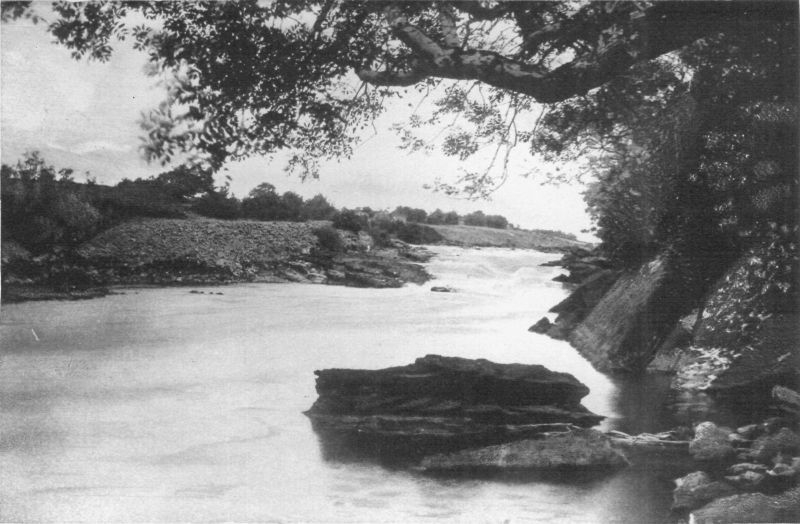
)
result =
(389, 453)
(647, 404)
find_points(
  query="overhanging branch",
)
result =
(664, 27)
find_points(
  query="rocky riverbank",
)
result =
(747, 474)
(454, 416)
(658, 318)
(714, 341)
(163, 252)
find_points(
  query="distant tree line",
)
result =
(44, 208)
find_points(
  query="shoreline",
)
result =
(196, 252)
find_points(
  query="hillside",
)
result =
(473, 236)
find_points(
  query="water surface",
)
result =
(161, 405)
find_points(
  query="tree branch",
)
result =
(402, 78)
(447, 19)
(665, 27)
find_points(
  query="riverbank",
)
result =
(174, 252)
(715, 344)
(201, 251)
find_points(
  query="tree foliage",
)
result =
(42, 209)
(251, 77)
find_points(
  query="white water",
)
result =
(161, 405)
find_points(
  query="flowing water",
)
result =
(162, 405)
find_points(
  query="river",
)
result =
(160, 405)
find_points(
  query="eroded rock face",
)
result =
(575, 449)
(441, 404)
(625, 328)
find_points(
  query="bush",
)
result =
(182, 183)
(478, 218)
(328, 239)
(218, 204)
(262, 203)
(411, 214)
(318, 208)
(40, 211)
(137, 198)
(348, 220)
(440, 217)
(496, 221)
(418, 234)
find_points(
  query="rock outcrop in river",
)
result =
(442, 404)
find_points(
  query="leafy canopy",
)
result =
(253, 77)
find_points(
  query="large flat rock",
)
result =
(440, 404)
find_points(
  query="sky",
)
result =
(84, 115)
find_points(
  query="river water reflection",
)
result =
(161, 405)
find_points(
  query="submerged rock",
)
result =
(696, 489)
(768, 446)
(441, 404)
(575, 449)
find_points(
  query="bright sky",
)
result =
(84, 115)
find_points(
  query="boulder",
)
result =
(441, 404)
(710, 443)
(747, 481)
(786, 471)
(573, 309)
(767, 447)
(749, 431)
(739, 441)
(574, 449)
(789, 399)
(542, 326)
(581, 264)
(751, 507)
(696, 489)
(738, 469)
